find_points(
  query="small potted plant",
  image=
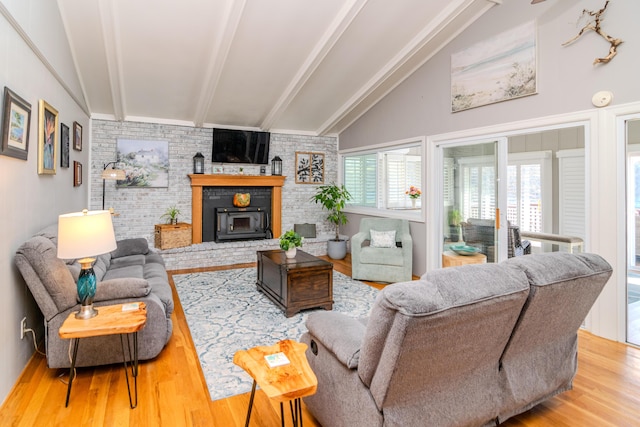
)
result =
(289, 241)
(334, 199)
(171, 215)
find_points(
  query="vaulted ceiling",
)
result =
(311, 66)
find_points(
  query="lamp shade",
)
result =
(113, 174)
(85, 234)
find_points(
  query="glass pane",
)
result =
(469, 203)
(633, 232)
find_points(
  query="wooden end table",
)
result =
(288, 382)
(120, 319)
(452, 259)
(295, 284)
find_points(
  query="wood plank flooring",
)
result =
(172, 390)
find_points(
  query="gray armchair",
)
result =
(382, 264)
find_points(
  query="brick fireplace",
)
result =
(203, 186)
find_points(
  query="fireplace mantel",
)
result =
(198, 181)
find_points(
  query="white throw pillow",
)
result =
(383, 239)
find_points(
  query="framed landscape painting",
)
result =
(16, 121)
(145, 163)
(47, 138)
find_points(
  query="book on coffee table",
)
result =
(276, 359)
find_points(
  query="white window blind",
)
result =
(571, 192)
(360, 175)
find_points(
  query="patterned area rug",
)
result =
(226, 313)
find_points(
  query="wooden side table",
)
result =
(281, 383)
(113, 319)
(452, 259)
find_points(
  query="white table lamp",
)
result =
(84, 235)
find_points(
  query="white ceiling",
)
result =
(310, 66)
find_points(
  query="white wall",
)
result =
(31, 201)
(420, 106)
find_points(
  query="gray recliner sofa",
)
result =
(131, 273)
(466, 346)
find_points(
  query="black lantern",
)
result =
(276, 166)
(198, 163)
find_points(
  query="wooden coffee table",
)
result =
(295, 284)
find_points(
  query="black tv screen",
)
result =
(240, 146)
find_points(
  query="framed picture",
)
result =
(309, 168)
(77, 174)
(497, 69)
(146, 163)
(218, 169)
(16, 119)
(64, 145)
(47, 138)
(77, 136)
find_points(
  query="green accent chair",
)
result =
(382, 264)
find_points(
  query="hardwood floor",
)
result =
(172, 391)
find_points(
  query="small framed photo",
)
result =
(218, 169)
(16, 120)
(77, 136)
(64, 145)
(47, 138)
(77, 174)
(309, 168)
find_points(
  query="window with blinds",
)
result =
(382, 178)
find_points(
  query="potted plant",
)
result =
(334, 198)
(455, 225)
(171, 215)
(289, 241)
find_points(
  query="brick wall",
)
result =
(141, 208)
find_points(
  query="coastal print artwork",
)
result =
(498, 69)
(146, 163)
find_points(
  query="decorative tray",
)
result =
(464, 249)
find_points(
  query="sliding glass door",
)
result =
(633, 231)
(471, 202)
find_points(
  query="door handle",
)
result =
(497, 218)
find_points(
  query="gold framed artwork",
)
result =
(309, 168)
(47, 138)
(77, 174)
(16, 120)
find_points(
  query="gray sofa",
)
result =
(466, 346)
(128, 274)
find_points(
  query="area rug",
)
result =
(225, 313)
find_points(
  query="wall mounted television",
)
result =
(240, 146)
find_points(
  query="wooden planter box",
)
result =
(168, 236)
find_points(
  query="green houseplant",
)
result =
(455, 225)
(334, 198)
(171, 215)
(289, 241)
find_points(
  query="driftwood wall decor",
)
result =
(594, 24)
